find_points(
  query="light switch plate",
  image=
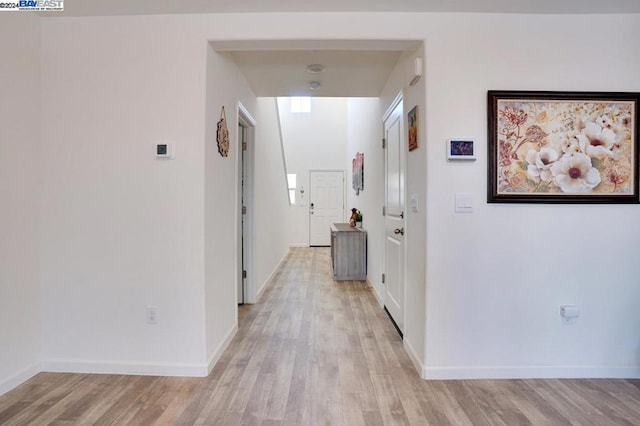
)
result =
(414, 203)
(464, 202)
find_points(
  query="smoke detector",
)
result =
(315, 68)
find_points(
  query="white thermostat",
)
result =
(164, 151)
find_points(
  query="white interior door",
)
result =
(326, 205)
(243, 195)
(246, 288)
(394, 216)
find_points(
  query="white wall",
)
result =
(19, 192)
(271, 198)
(497, 277)
(364, 128)
(312, 141)
(121, 230)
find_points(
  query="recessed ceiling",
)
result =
(153, 7)
(351, 68)
(346, 73)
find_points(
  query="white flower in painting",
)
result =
(575, 174)
(597, 141)
(604, 121)
(622, 124)
(571, 146)
(540, 163)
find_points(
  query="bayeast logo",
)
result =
(41, 5)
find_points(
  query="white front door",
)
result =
(394, 215)
(326, 205)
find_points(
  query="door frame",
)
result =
(344, 198)
(399, 99)
(249, 123)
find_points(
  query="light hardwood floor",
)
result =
(316, 352)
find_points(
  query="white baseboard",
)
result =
(272, 274)
(215, 357)
(128, 368)
(19, 378)
(378, 295)
(293, 245)
(530, 372)
(417, 363)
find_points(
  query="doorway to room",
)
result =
(246, 140)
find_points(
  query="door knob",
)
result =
(399, 231)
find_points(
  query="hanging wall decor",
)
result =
(358, 173)
(563, 147)
(412, 118)
(223, 135)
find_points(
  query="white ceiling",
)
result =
(146, 7)
(352, 68)
(347, 72)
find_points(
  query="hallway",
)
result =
(315, 352)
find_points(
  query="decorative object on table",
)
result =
(222, 135)
(461, 149)
(562, 147)
(358, 172)
(356, 218)
(412, 118)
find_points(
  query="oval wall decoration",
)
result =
(223, 135)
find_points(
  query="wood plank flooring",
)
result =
(316, 352)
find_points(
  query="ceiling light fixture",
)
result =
(314, 85)
(315, 68)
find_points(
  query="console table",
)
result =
(348, 252)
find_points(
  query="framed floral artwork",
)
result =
(562, 147)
